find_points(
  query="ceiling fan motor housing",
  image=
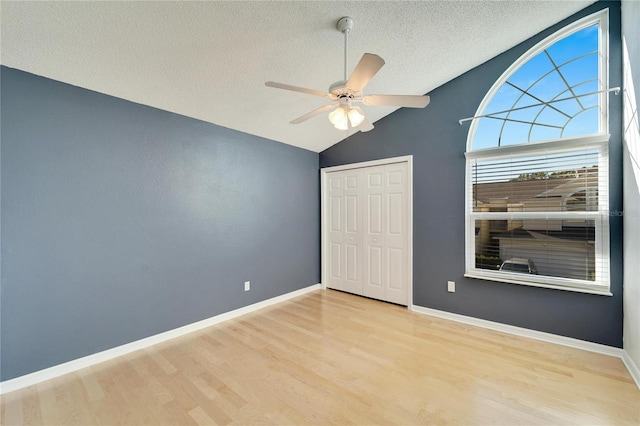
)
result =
(341, 91)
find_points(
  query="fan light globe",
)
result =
(338, 117)
(355, 117)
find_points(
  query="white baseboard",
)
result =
(524, 332)
(634, 371)
(633, 368)
(87, 361)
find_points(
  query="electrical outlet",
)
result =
(247, 285)
(451, 286)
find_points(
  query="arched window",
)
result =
(537, 167)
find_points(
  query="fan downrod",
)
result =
(339, 88)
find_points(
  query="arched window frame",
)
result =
(602, 19)
(597, 141)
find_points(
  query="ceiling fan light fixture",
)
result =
(346, 92)
(344, 117)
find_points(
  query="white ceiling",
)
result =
(209, 60)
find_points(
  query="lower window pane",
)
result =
(554, 248)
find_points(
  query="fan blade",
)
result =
(366, 125)
(368, 66)
(409, 101)
(299, 89)
(312, 114)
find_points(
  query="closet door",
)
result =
(366, 234)
(396, 234)
(385, 240)
(334, 231)
(353, 196)
(374, 265)
(344, 233)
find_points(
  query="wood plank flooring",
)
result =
(333, 358)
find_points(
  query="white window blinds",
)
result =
(541, 216)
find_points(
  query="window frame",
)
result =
(599, 141)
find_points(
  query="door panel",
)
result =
(352, 263)
(374, 221)
(352, 180)
(335, 262)
(395, 268)
(394, 178)
(335, 182)
(395, 213)
(374, 263)
(351, 213)
(374, 177)
(335, 217)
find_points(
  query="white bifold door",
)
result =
(366, 231)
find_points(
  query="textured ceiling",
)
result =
(209, 60)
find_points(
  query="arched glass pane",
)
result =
(543, 133)
(549, 116)
(527, 114)
(585, 88)
(514, 133)
(582, 124)
(548, 87)
(529, 72)
(570, 106)
(504, 99)
(580, 70)
(486, 133)
(550, 96)
(574, 45)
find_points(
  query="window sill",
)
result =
(509, 280)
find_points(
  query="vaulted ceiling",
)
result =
(209, 60)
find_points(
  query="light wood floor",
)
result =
(332, 358)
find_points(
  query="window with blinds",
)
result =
(537, 210)
(540, 214)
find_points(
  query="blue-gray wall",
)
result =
(437, 142)
(120, 221)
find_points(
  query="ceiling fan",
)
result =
(347, 92)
